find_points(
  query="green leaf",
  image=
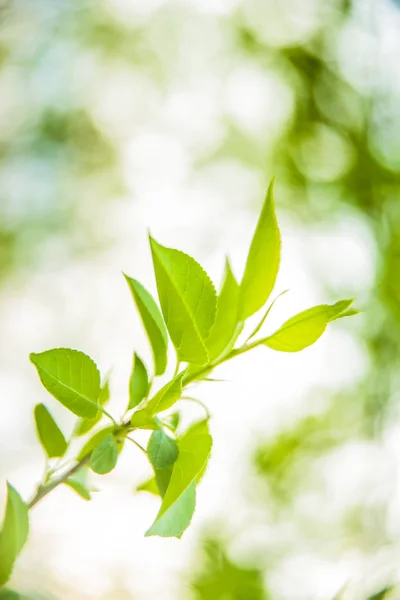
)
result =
(188, 301)
(150, 485)
(94, 441)
(143, 420)
(226, 319)
(50, 435)
(83, 426)
(153, 323)
(172, 421)
(166, 396)
(306, 328)
(79, 488)
(163, 477)
(162, 449)
(79, 483)
(14, 533)
(9, 595)
(162, 400)
(105, 456)
(138, 383)
(263, 260)
(71, 377)
(179, 500)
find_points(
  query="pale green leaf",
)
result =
(172, 421)
(138, 383)
(83, 426)
(79, 488)
(14, 532)
(153, 323)
(105, 456)
(79, 483)
(226, 319)
(263, 260)
(50, 435)
(304, 329)
(150, 485)
(179, 500)
(94, 441)
(162, 449)
(188, 301)
(166, 396)
(71, 377)
(142, 419)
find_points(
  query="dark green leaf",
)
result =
(226, 319)
(188, 301)
(105, 456)
(50, 435)
(305, 328)
(14, 533)
(179, 500)
(162, 450)
(71, 377)
(262, 262)
(138, 383)
(153, 323)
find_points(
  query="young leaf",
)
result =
(149, 486)
(262, 261)
(138, 383)
(105, 456)
(188, 301)
(142, 419)
(306, 328)
(166, 396)
(50, 435)
(83, 426)
(94, 441)
(162, 450)
(153, 323)
(162, 400)
(172, 421)
(79, 483)
(14, 533)
(79, 488)
(179, 500)
(71, 377)
(227, 315)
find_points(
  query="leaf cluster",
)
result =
(204, 327)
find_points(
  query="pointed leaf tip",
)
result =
(263, 260)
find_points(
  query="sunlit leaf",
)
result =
(14, 532)
(83, 426)
(153, 323)
(227, 315)
(105, 456)
(79, 488)
(138, 383)
(305, 328)
(94, 441)
(178, 503)
(263, 260)
(150, 485)
(71, 377)
(188, 301)
(50, 435)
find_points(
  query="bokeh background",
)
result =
(121, 115)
